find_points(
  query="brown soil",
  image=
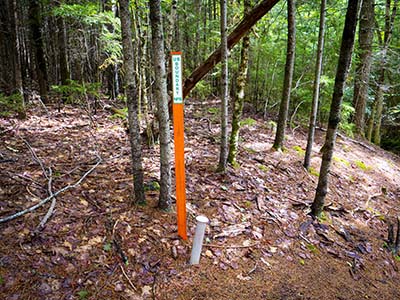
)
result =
(260, 243)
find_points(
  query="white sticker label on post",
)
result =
(177, 78)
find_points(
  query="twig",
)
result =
(127, 278)
(230, 246)
(68, 187)
(53, 202)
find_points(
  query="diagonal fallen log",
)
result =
(240, 30)
(44, 201)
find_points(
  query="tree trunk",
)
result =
(240, 30)
(240, 93)
(37, 46)
(379, 98)
(132, 102)
(363, 70)
(346, 50)
(16, 49)
(287, 84)
(160, 93)
(224, 90)
(62, 48)
(317, 79)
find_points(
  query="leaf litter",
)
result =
(260, 243)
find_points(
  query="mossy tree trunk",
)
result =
(240, 93)
(346, 51)
(132, 102)
(287, 83)
(160, 93)
(317, 79)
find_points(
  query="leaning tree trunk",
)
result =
(160, 93)
(234, 37)
(37, 46)
(317, 79)
(287, 84)
(363, 70)
(346, 50)
(240, 93)
(224, 90)
(132, 102)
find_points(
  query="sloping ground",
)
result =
(260, 243)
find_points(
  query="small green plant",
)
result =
(271, 125)
(107, 247)
(312, 248)
(213, 110)
(1, 280)
(119, 113)
(299, 150)
(83, 294)
(263, 168)
(314, 172)
(362, 165)
(152, 186)
(12, 104)
(302, 262)
(250, 150)
(248, 122)
(76, 93)
(341, 160)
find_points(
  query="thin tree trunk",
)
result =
(16, 48)
(346, 50)
(132, 102)
(240, 93)
(240, 30)
(224, 90)
(160, 93)
(363, 70)
(390, 16)
(37, 46)
(287, 84)
(62, 48)
(317, 79)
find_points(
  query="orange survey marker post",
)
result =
(179, 143)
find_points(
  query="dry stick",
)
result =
(53, 202)
(230, 246)
(127, 278)
(397, 244)
(44, 201)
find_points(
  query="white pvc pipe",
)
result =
(198, 239)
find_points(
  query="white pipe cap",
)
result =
(202, 219)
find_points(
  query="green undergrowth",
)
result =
(313, 171)
(341, 160)
(299, 150)
(362, 165)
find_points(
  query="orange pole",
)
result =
(179, 143)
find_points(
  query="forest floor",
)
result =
(260, 243)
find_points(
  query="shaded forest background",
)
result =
(72, 51)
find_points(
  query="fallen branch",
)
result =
(44, 201)
(53, 202)
(230, 246)
(127, 278)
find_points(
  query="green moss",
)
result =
(299, 150)
(362, 165)
(248, 122)
(314, 172)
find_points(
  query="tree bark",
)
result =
(132, 102)
(224, 89)
(240, 93)
(160, 93)
(240, 30)
(346, 50)
(37, 46)
(16, 49)
(287, 84)
(363, 70)
(317, 79)
(62, 48)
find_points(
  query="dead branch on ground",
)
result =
(44, 201)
